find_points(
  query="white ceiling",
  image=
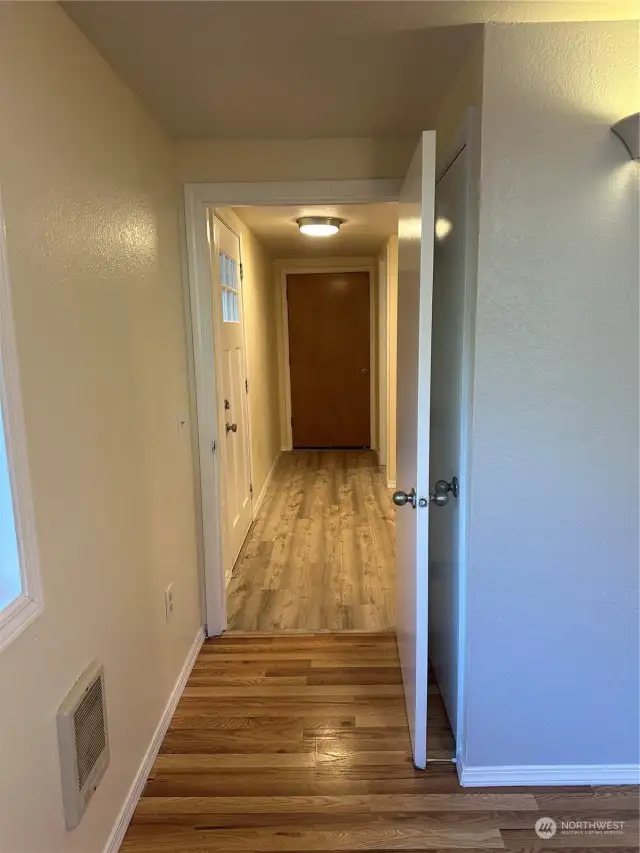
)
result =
(366, 228)
(273, 69)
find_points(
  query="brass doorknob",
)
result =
(402, 498)
(231, 427)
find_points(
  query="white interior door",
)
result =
(448, 371)
(415, 288)
(232, 389)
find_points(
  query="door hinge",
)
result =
(246, 385)
(241, 272)
(214, 447)
(251, 489)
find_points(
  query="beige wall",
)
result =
(280, 267)
(391, 252)
(465, 91)
(292, 159)
(261, 337)
(91, 217)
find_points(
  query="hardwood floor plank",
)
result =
(319, 555)
(285, 744)
(313, 838)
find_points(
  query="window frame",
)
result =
(234, 291)
(21, 612)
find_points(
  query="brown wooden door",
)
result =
(329, 359)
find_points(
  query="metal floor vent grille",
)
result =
(83, 741)
(91, 736)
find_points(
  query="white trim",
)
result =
(199, 197)
(548, 774)
(374, 438)
(26, 607)
(198, 255)
(267, 482)
(285, 376)
(391, 484)
(285, 366)
(297, 192)
(135, 791)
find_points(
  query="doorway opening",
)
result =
(300, 331)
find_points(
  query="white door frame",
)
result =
(285, 377)
(199, 197)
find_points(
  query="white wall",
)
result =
(552, 668)
(91, 215)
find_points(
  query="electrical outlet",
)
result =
(168, 602)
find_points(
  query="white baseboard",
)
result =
(548, 774)
(258, 503)
(135, 791)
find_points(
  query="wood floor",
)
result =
(299, 743)
(320, 554)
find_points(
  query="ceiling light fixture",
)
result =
(319, 226)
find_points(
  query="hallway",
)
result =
(320, 554)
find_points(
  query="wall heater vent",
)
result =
(83, 742)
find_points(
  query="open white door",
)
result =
(415, 290)
(233, 417)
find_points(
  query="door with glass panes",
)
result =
(231, 372)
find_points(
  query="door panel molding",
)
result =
(198, 197)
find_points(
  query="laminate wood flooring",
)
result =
(299, 743)
(320, 554)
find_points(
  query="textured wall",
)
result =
(552, 674)
(292, 159)
(91, 216)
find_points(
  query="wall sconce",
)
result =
(628, 129)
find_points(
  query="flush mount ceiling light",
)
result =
(319, 226)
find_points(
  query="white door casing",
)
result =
(233, 418)
(200, 199)
(415, 288)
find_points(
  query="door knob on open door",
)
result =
(231, 427)
(402, 498)
(440, 494)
